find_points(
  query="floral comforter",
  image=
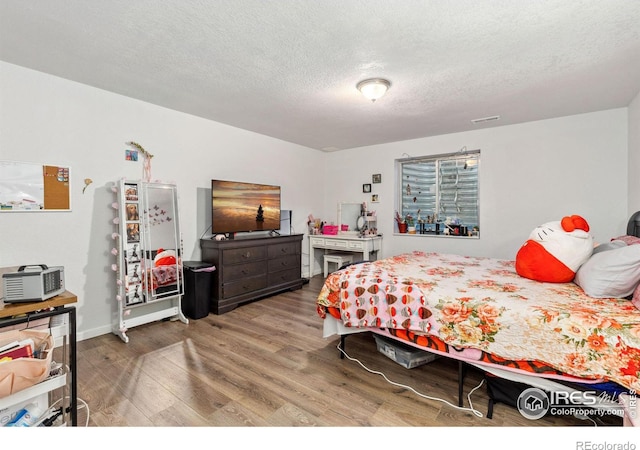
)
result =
(482, 305)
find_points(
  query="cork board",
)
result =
(34, 187)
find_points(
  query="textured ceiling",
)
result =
(288, 69)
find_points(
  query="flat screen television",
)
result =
(242, 207)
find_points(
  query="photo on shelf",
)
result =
(132, 211)
(132, 254)
(135, 296)
(133, 272)
(133, 232)
(131, 192)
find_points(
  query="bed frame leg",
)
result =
(461, 373)
(490, 409)
(343, 339)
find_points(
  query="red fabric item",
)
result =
(165, 258)
(533, 261)
(166, 261)
(575, 222)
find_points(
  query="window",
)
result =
(439, 194)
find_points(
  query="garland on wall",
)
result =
(146, 164)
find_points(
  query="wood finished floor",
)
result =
(257, 366)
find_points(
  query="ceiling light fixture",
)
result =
(373, 88)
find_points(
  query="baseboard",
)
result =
(95, 332)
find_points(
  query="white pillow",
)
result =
(612, 273)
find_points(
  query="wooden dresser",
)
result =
(249, 268)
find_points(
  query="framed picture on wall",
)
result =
(376, 178)
(366, 188)
(375, 198)
(33, 187)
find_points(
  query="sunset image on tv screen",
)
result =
(238, 206)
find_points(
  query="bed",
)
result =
(162, 278)
(480, 311)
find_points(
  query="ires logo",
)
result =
(586, 398)
(534, 403)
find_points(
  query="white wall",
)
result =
(49, 120)
(634, 156)
(530, 173)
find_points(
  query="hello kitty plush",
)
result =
(164, 258)
(555, 250)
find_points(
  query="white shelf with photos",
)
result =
(150, 279)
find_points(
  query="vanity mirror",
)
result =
(162, 240)
(350, 215)
(150, 276)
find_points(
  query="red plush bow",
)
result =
(575, 222)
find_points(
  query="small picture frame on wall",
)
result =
(131, 155)
(366, 188)
(375, 198)
(376, 178)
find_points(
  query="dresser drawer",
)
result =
(317, 241)
(356, 245)
(284, 276)
(278, 250)
(238, 271)
(244, 286)
(331, 243)
(283, 263)
(241, 255)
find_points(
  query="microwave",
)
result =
(29, 285)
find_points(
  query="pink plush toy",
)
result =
(555, 250)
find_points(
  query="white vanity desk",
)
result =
(325, 243)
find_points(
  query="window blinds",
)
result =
(444, 186)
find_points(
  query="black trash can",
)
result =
(198, 280)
